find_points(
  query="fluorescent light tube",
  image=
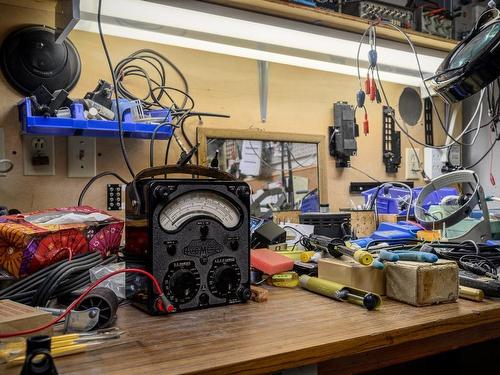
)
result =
(233, 32)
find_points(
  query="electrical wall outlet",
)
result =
(412, 166)
(81, 157)
(38, 155)
(114, 197)
(434, 159)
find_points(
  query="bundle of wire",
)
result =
(135, 66)
(489, 92)
(55, 280)
(481, 259)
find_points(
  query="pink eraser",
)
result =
(269, 261)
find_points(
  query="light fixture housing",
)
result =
(224, 30)
(473, 64)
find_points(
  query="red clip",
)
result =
(367, 84)
(366, 127)
(373, 90)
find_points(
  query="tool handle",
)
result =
(388, 255)
(417, 256)
(363, 257)
(469, 293)
(57, 352)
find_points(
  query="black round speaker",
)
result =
(473, 64)
(29, 57)
(410, 106)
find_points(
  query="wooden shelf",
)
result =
(328, 18)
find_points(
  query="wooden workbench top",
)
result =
(295, 327)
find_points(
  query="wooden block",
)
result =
(363, 222)
(347, 271)
(291, 216)
(422, 284)
(429, 235)
(17, 317)
(389, 218)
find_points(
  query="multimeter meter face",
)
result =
(198, 204)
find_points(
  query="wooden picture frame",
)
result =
(203, 134)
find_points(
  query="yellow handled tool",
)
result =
(56, 352)
(340, 292)
(337, 248)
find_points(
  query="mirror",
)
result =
(285, 172)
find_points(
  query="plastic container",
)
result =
(310, 203)
(394, 201)
(58, 126)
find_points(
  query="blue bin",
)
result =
(58, 126)
(310, 203)
(390, 203)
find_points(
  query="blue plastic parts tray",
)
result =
(390, 203)
(58, 126)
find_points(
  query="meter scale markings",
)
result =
(198, 204)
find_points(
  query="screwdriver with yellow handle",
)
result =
(55, 352)
(337, 248)
(9, 350)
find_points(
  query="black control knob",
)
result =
(226, 280)
(243, 192)
(244, 294)
(161, 192)
(204, 230)
(234, 244)
(183, 285)
(204, 298)
(171, 249)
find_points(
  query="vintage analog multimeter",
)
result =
(193, 235)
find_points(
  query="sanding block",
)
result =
(269, 261)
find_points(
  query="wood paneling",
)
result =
(300, 102)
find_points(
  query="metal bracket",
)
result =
(391, 142)
(429, 132)
(263, 88)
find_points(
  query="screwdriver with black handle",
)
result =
(337, 248)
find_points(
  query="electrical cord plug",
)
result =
(476, 269)
(372, 58)
(215, 161)
(360, 98)
(187, 156)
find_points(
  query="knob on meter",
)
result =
(224, 277)
(181, 282)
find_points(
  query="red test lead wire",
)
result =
(76, 302)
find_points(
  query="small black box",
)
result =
(267, 234)
(334, 225)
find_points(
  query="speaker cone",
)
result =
(29, 57)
